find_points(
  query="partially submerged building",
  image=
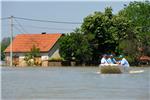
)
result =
(22, 44)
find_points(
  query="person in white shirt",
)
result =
(124, 63)
(111, 59)
(104, 59)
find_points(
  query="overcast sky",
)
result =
(61, 11)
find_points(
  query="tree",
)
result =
(35, 52)
(65, 47)
(74, 46)
(106, 30)
(4, 44)
(138, 33)
(138, 13)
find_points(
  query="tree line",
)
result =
(127, 32)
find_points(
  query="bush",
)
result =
(55, 59)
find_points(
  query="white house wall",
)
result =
(54, 52)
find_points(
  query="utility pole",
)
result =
(11, 39)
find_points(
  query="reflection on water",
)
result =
(73, 83)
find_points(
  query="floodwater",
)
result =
(73, 83)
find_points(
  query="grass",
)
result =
(55, 59)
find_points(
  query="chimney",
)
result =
(43, 33)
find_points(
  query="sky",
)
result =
(60, 11)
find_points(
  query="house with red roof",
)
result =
(22, 44)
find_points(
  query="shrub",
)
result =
(55, 59)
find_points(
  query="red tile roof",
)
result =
(24, 42)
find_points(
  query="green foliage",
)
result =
(56, 59)
(65, 47)
(138, 14)
(4, 44)
(30, 57)
(74, 46)
(131, 59)
(129, 48)
(35, 52)
(122, 33)
(105, 31)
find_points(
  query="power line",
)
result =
(18, 29)
(37, 27)
(21, 26)
(41, 27)
(47, 21)
(4, 18)
(22, 32)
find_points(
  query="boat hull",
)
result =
(111, 69)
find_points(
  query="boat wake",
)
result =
(97, 72)
(136, 71)
(130, 72)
